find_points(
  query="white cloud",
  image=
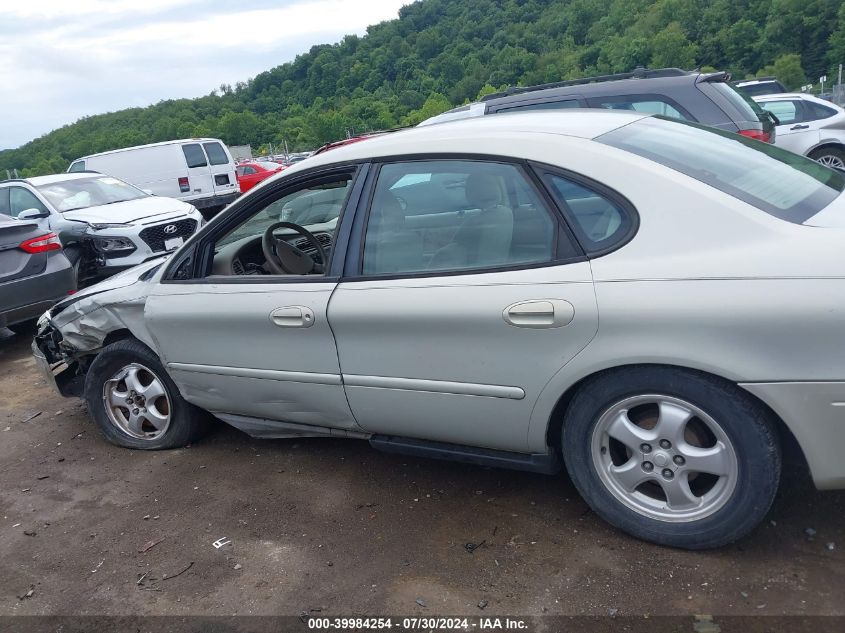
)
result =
(93, 56)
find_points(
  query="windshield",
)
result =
(785, 185)
(81, 193)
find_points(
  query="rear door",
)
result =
(452, 320)
(795, 132)
(200, 183)
(222, 167)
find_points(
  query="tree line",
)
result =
(442, 53)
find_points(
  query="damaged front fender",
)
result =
(74, 330)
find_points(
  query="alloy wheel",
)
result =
(664, 458)
(136, 402)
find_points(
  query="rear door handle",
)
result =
(800, 127)
(292, 316)
(539, 313)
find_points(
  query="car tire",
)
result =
(829, 156)
(135, 404)
(677, 421)
(24, 328)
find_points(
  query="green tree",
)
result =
(788, 69)
(671, 48)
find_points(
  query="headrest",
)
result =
(482, 191)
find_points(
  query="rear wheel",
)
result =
(135, 403)
(829, 157)
(672, 456)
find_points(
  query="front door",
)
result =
(796, 131)
(240, 338)
(470, 294)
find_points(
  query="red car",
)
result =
(253, 172)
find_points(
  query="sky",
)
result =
(61, 60)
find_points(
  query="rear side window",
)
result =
(647, 104)
(785, 185)
(545, 105)
(194, 155)
(815, 111)
(216, 154)
(77, 166)
(599, 222)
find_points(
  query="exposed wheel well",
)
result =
(117, 335)
(824, 146)
(792, 452)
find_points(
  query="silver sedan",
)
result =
(653, 305)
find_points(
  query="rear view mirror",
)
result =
(32, 214)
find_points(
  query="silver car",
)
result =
(653, 304)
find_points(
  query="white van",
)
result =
(197, 170)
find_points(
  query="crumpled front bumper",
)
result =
(59, 370)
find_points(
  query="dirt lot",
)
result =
(336, 526)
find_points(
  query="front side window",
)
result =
(216, 153)
(77, 166)
(455, 215)
(81, 193)
(21, 199)
(194, 155)
(782, 184)
(315, 207)
(5, 207)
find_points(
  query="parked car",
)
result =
(689, 96)
(251, 173)
(34, 273)
(105, 224)
(808, 125)
(654, 303)
(759, 86)
(197, 170)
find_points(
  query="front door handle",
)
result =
(800, 127)
(292, 316)
(539, 313)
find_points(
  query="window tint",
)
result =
(786, 111)
(455, 215)
(248, 170)
(216, 154)
(599, 222)
(22, 199)
(647, 104)
(546, 105)
(815, 111)
(5, 209)
(77, 166)
(194, 155)
(749, 109)
(783, 184)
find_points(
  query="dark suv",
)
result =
(706, 98)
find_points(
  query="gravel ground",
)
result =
(335, 528)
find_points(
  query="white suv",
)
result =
(105, 224)
(809, 126)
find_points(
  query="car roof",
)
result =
(793, 95)
(461, 136)
(51, 178)
(160, 144)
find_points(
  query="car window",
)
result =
(599, 222)
(647, 104)
(21, 199)
(786, 111)
(545, 105)
(248, 170)
(216, 153)
(749, 109)
(77, 166)
(194, 155)
(816, 111)
(455, 215)
(785, 185)
(5, 208)
(315, 207)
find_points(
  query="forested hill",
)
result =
(439, 53)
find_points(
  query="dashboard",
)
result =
(246, 257)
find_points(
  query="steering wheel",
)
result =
(284, 258)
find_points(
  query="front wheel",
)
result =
(672, 456)
(135, 404)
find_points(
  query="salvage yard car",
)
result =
(105, 224)
(653, 304)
